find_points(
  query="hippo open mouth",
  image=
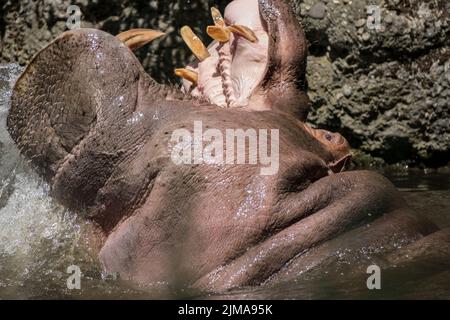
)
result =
(234, 65)
(97, 128)
(236, 69)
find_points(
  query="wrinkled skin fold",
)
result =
(98, 129)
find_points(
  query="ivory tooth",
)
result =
(220, 34)
(217, 17)
(194, 43)
(189, 75)
(244, 32)
(137, 38)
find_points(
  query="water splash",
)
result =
(38, 237)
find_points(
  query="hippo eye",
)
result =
(328, 137)
(333, 138)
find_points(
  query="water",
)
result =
(427, 192)
(39, 240)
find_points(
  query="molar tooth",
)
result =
(194, 43)
(219, 33)
(217, 17)
(244, 32)
(189, 75)
(137, 38)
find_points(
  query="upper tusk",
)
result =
(244, 32)
(189, 75)
(137, 38)
(217, 17)
(194, 43)
(221, 34)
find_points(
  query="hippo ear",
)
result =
(341, 164)
(79, 80)
(285, 78)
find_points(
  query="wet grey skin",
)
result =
(83, 112)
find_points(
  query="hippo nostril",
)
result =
(328, 137)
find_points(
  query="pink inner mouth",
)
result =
(233, 72)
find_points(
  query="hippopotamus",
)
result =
(126, 153)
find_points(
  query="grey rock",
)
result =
(347, 90)
(365, 36)
(398, 109)
(318, 11)
(360, 23)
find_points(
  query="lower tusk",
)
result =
(217, 17)
(189, 75)
(194, 43)
(244, 32)
(137, 38)
(221, 34)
